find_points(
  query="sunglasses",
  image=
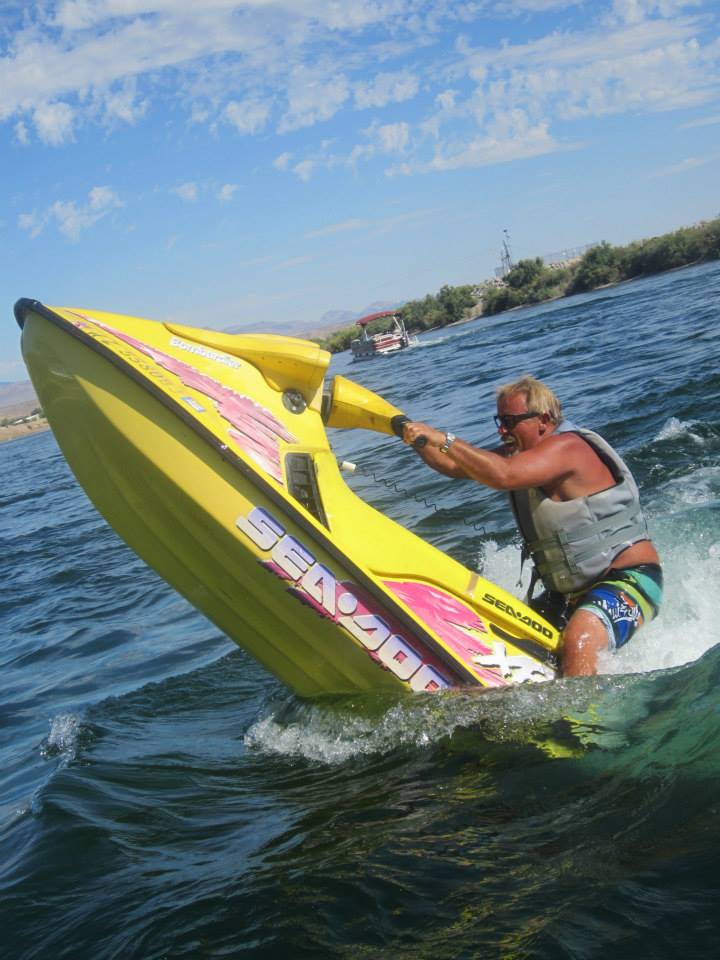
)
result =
(510, 420)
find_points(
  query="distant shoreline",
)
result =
(20, 430)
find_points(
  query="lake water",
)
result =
(161, 796)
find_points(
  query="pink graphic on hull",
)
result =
(385, 640)
(457, 624)
(382, 635)
(253, 428)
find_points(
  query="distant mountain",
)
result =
(334, 319)
(328, 322)
(290, 328)
(16, 394)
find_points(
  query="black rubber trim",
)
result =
(25, 306)
(302, 484)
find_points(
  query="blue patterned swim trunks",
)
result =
(625, 599)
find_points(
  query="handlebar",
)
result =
(398, 422)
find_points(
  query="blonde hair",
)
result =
(540, 398)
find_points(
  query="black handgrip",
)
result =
(398, 422)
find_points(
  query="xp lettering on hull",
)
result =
(341, 602)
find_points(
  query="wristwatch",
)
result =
(449, 441)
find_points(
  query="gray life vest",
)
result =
(572, 542)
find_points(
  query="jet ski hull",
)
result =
(209, 456)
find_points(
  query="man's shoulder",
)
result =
(569, 446)
(566, 439)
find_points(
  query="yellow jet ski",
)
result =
(207, 452)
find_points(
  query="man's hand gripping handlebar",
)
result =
(398, 424)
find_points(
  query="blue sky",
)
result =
(257, 164)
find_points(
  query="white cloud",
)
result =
(293, 262)
(446, 100)
(515, 7)
(256, 262)
(33, 222)
(401, 169)
(701, 122)
(393, 137)
(304, 169)
(509, 136)
(521, 92)
(386, 88)
(247, 116)
(124, 104)
(21, 133)
(635, 11)
(79, 14)
(362, 152)
(282, 162)
(313, 96)
(689, 163)
(275, 67)
(483, 151)
(375, 226)
(566, 49)
(657, 78)
(186, 191)
(103, 198)
(71, 218)
(54, 122)
(342, 227)
(227, 192)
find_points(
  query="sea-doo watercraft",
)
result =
(207, 452)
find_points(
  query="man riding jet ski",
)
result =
(578, 510)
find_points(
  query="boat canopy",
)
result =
(363, 321)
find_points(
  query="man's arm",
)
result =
(549, 462)
(430, 452)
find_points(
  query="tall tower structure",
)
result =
(506, 255)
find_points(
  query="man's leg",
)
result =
(584, 638)
(608, 615)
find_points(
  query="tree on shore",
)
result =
(531, 281)
(600, 265)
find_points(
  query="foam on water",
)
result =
(63, 739)
(333, 736)
(557, 718)
(698, 488)
(61, 745)
(681, 514)
(436, 339)
(674, 427)
(501, 565)
(687, 626)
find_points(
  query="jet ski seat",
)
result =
(285, 362)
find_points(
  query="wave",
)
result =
(694, 430)
(667, 718)
(63, 739)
